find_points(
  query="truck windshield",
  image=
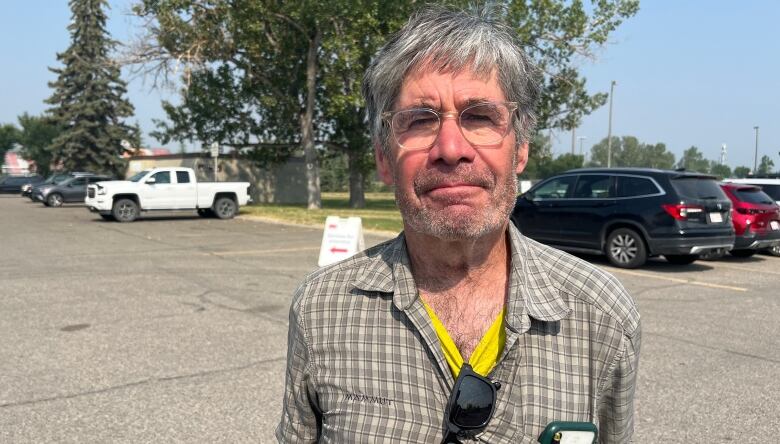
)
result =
(139, 176)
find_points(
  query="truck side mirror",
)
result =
(151, 181)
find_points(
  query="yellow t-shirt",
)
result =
(484, 357)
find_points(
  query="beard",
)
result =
(463, 222)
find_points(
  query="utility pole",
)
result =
(609, 132)
(755, 155)
(581, 138)
(723, 154)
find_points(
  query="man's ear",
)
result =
(522, 157)
(383, 165)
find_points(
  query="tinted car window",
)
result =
(78, 182)
(554, 189)
(182, 177)
(753, 195)
(592, 186)
(628, 186)
(698, 188)
(772, 190)
(97, 179)
(162, 177)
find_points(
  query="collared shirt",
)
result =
(364, 364)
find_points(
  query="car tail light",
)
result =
(682, 211)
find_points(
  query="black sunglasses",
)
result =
(471, 405)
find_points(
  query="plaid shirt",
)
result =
(364, 364)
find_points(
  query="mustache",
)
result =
(432, 179)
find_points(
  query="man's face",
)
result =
(454, 191)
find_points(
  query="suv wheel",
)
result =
(54, 200)
(774, 251)
(625, 248)
(125, 210)
(681, 259)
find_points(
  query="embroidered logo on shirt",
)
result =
(357, 397)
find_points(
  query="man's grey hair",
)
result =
(448, 40)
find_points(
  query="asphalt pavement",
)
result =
(173, 329)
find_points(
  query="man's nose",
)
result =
(450, 146)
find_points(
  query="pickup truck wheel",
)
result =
(225, 208)
(625, 248)
(54, 200)
(125, 210)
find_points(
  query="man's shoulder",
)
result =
(588, 283)
(339, 279)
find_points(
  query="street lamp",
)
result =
(755, 155)
(581, 138)
(609, 132)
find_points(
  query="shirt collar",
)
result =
(532, 294)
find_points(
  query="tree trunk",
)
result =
(357, 195)
(307, 126)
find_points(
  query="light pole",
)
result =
(609, 132)
(755, 155)
(581, 138)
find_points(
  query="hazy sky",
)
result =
(700, 73)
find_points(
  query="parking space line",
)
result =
(251, 252)
(752, 270)
(678, 280)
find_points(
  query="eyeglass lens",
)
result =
(473, 403)
(481, 124)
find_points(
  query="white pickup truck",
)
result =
(165, 189)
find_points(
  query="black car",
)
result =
(73, 189)
(13, 184)
(629, 214)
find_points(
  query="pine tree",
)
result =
(88, 102)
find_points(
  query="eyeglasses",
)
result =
(471, 405)
(482, 124)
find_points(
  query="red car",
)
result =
(756, 219)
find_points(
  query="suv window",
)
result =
(78, 182)
(554, 189)
(162, 177)
(182, 177)
(628, 186)
(753, 195)
(593, 186)
(698, 188)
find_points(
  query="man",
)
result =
(459, 329)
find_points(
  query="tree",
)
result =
(252, 69)
(721, 170)
(87, 102)
(9, 137)
(627, 151)
(741, 172)
(37, 135)
(766, 166)
(693, 160)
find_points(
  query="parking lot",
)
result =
(173, 329)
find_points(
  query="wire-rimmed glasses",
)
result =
(483, 124)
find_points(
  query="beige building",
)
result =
(284, 183)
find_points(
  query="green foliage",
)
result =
(693, 160)
(37, 135)
(741, 172)
(766, 166)
(720, 170)
(334, 173)
(9, 137)
(250, 68)
(87, 102)
(627, 151)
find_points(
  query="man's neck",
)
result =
(438, 265)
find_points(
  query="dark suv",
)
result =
(629, 214)
(73, 189)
